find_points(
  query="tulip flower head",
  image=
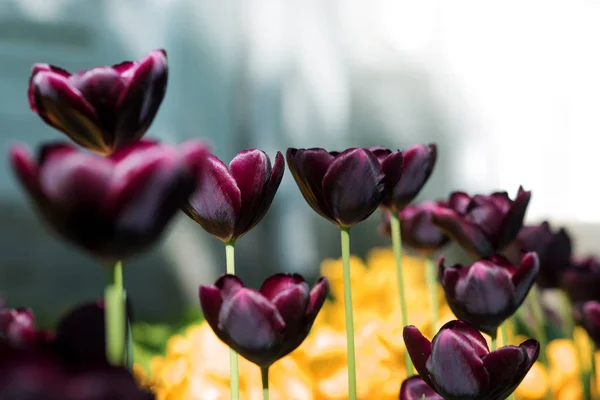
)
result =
(112, 206)
(489, 291)
(266, 325)
(102, 108)
(405, 173)
(582, 280)
(552, 248)
(232, 200)
(344, 188)
(483, 225)
(458, 365)
(415, 388)
(588, 315)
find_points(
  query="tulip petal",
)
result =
(211, 302)
(485, 290)
(419, 349)
(415, 388)
(419, 162)
(468, 236)
(391, 167)
(470, 333)
(318, 295)
(525, 276)
(530, 350)
(217, 202)
(308, 167)
(25, 168)
(289, 293)
(353, 186)
(141, 98)
(37, 68)
(455, 366)
(459, 202)
(502, 366)
(513, 221)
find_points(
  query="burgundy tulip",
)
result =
(552, 248)
(588, 315)
(483, 225)
(458, 365)
(417, 228)
(415, 388)
(232, 200)
(345, 188)
(405, 173)
(266, 325)
(582, 280)
(104, 107)
(116, 206)
(489, 291)
(18, 330)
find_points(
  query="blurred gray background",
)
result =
(509, 90)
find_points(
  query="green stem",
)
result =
(234, 373)
(114, 315)
(397, 246)
(430, 270)
(538, 316)
(504, 333)
(566, 312)
(494, 341)
(265, 382)
(348, 309)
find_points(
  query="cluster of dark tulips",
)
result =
(114, 197)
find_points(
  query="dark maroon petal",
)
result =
(590, 319)
(450, 277)
(289, 293)
(229, 285)
(414, 388)
(419, 349)
(38, 68)
(513, 221)
(17, 328)
(502, 365)
(380, 152)
(25, 168)
(318, 295)
(211, 302)
(470, 333)
(391, 167)
(419, 162)
(501, 200)
(141, 98)
(353, 186)
(530, 350)
(64, 107)
(525, 276)
(279, 283)
(308, 167)
(418, 230)
(487, 217)
(459, 202)
(217, 202)
(469, 236)
(455, 367)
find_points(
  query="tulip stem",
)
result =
(234, 373)
(348, 309)
(265, 382)
(114, 315)
(397, 246)
(494, 341)
(504, 332)
(538, 316)
(566, 314)
(430, 270)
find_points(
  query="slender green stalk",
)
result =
(114, 315)
(504, 333)
(265, 382)
(494, 341)
(234, 373)
(349, 317)
(430, 270)
(540, 325)
(397, 246)
(566, 312)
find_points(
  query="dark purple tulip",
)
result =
(552, 248)
(458, 365)
(18, 330)
(417, 228)
(344, 188)
(489, 291)
(405, 173)
(232, 200)
(114, 206)
(104, 107)
(414, 388)
(588, 315)
(582, 280)
(483, 225)
(263, 326)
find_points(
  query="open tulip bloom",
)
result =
(458, 365)
(101, 108)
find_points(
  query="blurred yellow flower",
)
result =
(196, 364)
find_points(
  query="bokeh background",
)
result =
(510, 92)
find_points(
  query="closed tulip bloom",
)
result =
(552, 248)
(582, 280)
(405, 173)
(417, 228)
(345, 188)
(101, 108)
(458, 365)
(232, 200)
(489, 291)
(116, 206)
(415, 388)
(483, 225)
(266, 325)
(588, 315)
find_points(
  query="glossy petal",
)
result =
(503, 365)
(469, 333)
(419, 162)
(414, 388)
(289, 293)
(353, 186)
(419, 349)
(418, 230)
(318, 295)
(513, 221)
(17, 327)
(525, 276)
(391, 166)
(590, 319)
(465, 234)
(582, 280)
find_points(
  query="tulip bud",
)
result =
(582, 280)
(588, 315)
(415, 388)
